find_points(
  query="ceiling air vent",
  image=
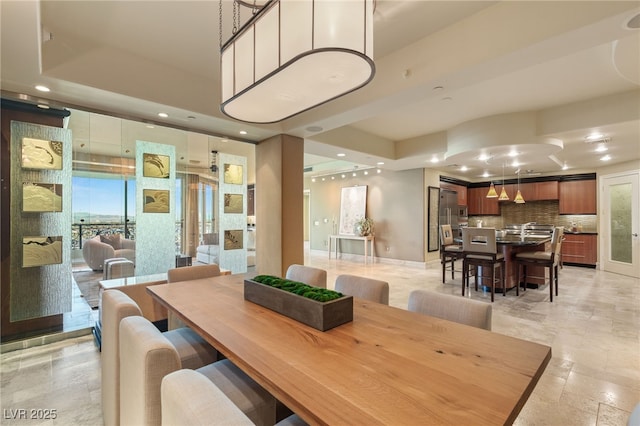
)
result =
(307, 169)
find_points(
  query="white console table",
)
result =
(366, 240)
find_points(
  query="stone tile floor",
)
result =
(593, 327)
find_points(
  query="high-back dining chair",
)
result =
(481, 251)
(547, 259)
(363, 288)
(452, 308)
(449, 250)
(187, 273)
(147, 356)
(306, 274)
(192, 350)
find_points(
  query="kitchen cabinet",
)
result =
(581, 249)
(479, 204)
(461, 190)
(533, 191)
(577, 197)
(546, 190)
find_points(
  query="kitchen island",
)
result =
(509, 245)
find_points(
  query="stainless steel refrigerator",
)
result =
(449, 210)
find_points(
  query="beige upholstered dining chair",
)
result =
(189, 398)
(451, 308)
(188, 273)
(306, 274)
(547, 259)
(363, 288)
(449, 250)
(192, 350)
(147, 356)
(480, 250)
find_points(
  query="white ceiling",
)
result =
(441, 66)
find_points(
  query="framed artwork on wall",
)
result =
(42, 250)
(233, 203)
(41, 197)
(353, 207)
(41, 154)
(233, 174)
(156, 166)
(155, 201)
(233, 239)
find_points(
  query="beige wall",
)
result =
(395, 201)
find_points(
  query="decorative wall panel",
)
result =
(233, 250)
(44, 286)
(155, 213)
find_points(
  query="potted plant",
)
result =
(363, 226)
(319, 308)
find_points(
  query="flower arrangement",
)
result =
(363, 226)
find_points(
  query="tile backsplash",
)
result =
(541, 212)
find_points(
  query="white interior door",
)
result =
(620, 214)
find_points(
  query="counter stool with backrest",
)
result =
(308, 275)
(449, 250)
(547, 259)
(480, 250)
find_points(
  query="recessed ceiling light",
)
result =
(380, 163)
(463, 168)
(485, 174)
(447, 99)
(564, 166)
(43, 106)
(366, 172)
(333, 177)
(434, 159)
(379, 171)
(606, 158)
(513, 153)
(243, 132)
(191, 117)
(484, 157)
(313, 180)
(437, 88)
(353, 174)
(341, 154)
(323, 179)
(163, 114)
(42, 88)
(149, 126)
(515, 163)
(594, 136)
(344, 176)
(601, 148)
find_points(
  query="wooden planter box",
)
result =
(319, 315)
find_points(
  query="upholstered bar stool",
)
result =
(193, 351)
(363, 288)
(449, 250)
(306, 274)
(147, 356)
(480, 251)
(547, 259)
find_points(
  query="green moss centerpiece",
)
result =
(316, 307)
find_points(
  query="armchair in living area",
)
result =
(209, 249)
(102, 247)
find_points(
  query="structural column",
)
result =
(279, 204)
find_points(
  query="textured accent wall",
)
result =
(232, 226)
(155, 231)
(39, 291)
(541, 212)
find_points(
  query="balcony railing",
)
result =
(85, 231)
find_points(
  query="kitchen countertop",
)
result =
(515, 240)
(581, 232)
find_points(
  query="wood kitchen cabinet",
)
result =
(581, 249)
(577, 197)
(461, 190)
(479, 204)
(546, 190)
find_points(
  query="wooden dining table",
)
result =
(388, 366)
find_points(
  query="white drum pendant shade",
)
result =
(294, 55)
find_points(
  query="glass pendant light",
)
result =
(518, 198)
(503, 193)
(492, 192)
